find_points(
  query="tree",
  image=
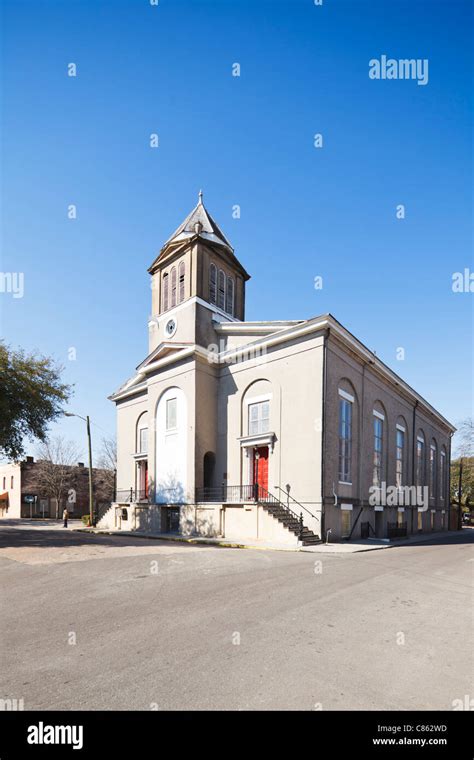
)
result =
(462, 468)
(31, 397)
(107, 459)
(56, 458)
(467, 496)
(464, 438)
(107, 462)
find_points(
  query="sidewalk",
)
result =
(363, 545)
(26, 523)
(373, 544)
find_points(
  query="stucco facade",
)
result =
(232, 428)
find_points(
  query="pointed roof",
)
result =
(199, 222)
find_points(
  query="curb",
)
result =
(183, 540)
(236, 545)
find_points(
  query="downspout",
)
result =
(360, 433)
(323, 433)
(448, 467)
(355, 523)
(413, 453)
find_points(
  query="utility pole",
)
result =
(89, 443)
(91, 501)
(460, 495)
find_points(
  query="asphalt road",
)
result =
(102, 622)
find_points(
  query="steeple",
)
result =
(197, 273)
(198, 222)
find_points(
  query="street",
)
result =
(107, 622)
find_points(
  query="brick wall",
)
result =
(78, 485)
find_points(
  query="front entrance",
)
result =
(260, 467)
(379, 528)
(142, 480)
(172, 520)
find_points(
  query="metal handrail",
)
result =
(394, 530)
(274, 501)
(129, 495)
(297, 502)
(226, 494)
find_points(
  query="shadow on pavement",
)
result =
(463, 536)
(39, 536)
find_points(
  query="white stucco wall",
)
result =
(171, 450)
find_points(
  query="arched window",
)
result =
(170, 432)
(142, 434)
(173, 287)
(442, 474)
(165, 292)
(346, 406)
(420, 458)
(208, 468)
(213, 283)
(256, 403)
(181, 272)
(230, 296)
(221, 290)
(379, 445)
(433, 468)
(401, 453)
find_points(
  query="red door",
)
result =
(260, 467)
(146, 480)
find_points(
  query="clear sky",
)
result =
(247, 140)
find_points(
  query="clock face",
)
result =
(170, 327)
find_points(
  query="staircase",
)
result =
(105, 516)
(287, 517)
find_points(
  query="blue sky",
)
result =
(244, 140)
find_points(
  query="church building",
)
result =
(287, 432)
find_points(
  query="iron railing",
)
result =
(365, 528)
(238, 495)
(247, 493)
(302, 506)
(269, 500)
(226, 494)
(396, 530)
(131, 495)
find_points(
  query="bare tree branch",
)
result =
(464, 438)
(55, 458)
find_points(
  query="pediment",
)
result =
(166, 348)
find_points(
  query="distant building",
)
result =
(21, 494)
(281, 431)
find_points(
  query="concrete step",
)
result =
(292, 523)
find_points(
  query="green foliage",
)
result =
(467, 498)
(31, 397)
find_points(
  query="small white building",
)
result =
(273, 431)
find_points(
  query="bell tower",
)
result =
(195, 279)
